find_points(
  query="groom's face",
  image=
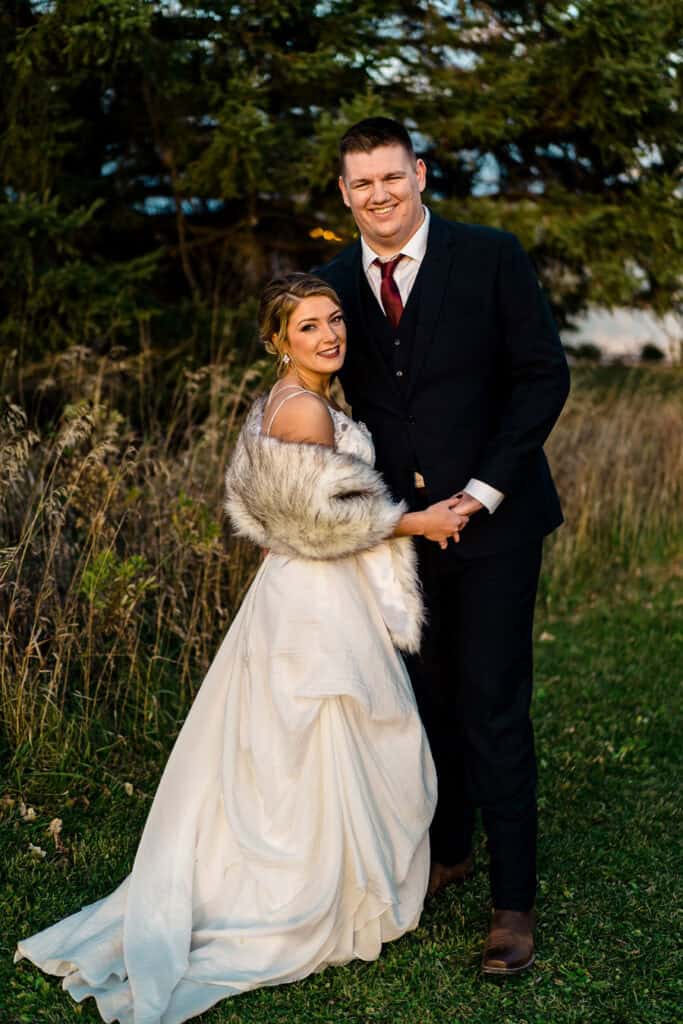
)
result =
(382, 189)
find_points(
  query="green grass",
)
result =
(607, 712)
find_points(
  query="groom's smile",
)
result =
(384, 211)
(382, 189)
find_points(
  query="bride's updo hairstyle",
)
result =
(280, 298)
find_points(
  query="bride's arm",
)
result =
(305, 419)
(305, 499)
(438, 522)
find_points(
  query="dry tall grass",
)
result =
(118, 577)
(617, 458)
(117, 574)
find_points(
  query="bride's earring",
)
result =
(286, 360)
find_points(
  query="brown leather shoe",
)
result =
(510, 944)
(442, 875)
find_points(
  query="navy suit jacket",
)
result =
(487, 381)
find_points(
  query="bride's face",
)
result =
(316, 336)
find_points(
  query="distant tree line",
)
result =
(588, 350)
(160, 160)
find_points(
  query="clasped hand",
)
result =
(447, 518)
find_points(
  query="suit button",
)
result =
(399, 373)
(397, 342)
(411, 419)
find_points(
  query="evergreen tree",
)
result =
(161, 160)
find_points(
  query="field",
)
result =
(118, 581)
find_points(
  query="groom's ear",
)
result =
(344, 191)
(421, 173)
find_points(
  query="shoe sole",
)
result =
(509, 970)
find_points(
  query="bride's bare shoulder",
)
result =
(303, 417)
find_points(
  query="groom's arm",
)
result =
(481, 495)
(536, 375)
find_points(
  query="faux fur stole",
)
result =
(310, 501)
(305, 500)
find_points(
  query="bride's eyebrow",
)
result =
(317, 319)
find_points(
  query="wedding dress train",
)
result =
(290, 827)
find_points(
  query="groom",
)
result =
(455, 365)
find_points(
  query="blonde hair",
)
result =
(280, 298)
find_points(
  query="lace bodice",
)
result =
(352, 437)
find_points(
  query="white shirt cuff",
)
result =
(489, 496)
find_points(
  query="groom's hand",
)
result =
(442, 521)
(464, 503)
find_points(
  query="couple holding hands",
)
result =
(385, 642)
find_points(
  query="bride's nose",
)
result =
(334, 333)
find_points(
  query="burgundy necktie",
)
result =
(389, 293)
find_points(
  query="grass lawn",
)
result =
(607, 712)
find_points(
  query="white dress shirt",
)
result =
(405, 273)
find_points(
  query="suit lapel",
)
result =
(362, 335)
(433, 277)
(350, 285)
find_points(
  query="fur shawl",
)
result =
(310, 501)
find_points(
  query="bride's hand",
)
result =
(442, 521)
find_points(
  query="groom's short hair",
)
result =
(368, 134)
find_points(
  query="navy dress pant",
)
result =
(473, 682)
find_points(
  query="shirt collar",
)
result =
(415, 247)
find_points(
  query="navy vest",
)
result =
(395, 344)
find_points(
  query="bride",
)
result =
(290, 827)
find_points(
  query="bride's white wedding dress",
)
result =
(290, 827)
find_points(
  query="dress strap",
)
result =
(298, 390)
